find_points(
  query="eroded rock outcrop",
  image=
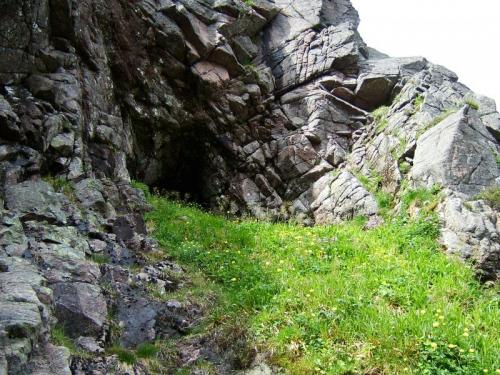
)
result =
(249, 107)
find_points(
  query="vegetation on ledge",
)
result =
(339, 299)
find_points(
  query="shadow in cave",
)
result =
(185, 169)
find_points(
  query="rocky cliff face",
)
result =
(253, 107)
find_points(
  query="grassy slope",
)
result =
(338, 299)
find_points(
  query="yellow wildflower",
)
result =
(435, 324)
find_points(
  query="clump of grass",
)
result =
(146, 350)
(373, 184)
(60, 338)
(124, 355)
(491, 195)
(339, 299)
(496, 155)
(418, 103)
(471, 103)
(380, 118)
(100, 258)
(61, 185)
(426, 199)
(141, 186)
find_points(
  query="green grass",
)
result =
(492, 196)
(100, 258)
(472, 103)
(419, 102)
(59, 338)
(338, 299)
(124, 355)
(380, 118)
(61, 185)
(146, 350)
(404, 167)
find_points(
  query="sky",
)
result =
(462, 35)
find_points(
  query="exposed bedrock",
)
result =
(260, 107)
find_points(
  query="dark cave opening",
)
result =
(185, 166)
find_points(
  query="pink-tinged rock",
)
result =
(210, 73)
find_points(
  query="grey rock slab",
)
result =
(340, 196)
(51, 360)
(36, 199)
(458, 153)
(80, 308)
(297, 16)
(311, 54)
(471, 231)
(138, 317)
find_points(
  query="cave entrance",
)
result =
(185, 166)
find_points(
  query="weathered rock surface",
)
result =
(260, 108)
(458, 153)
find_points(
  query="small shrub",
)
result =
(419, 102)
(404, 167)
(417, 105)
(496, 155)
